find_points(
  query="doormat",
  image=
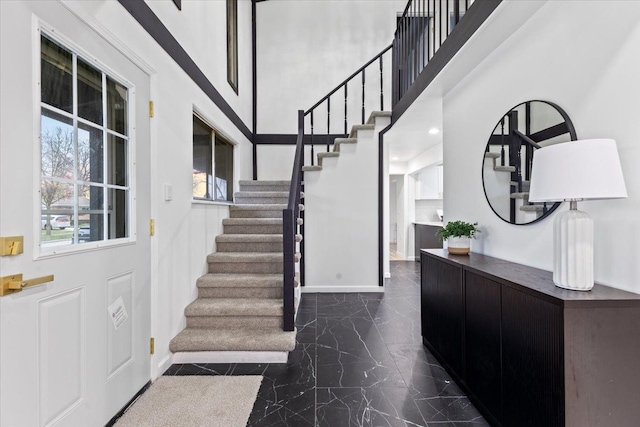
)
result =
(190, 401)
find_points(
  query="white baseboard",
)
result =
(164, 364)
(341, 289)
(231, 357)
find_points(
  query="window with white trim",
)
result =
(212, 164)
(84, 142)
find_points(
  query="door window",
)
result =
(84, 146)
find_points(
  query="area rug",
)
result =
(194, 401)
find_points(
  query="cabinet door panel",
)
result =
(532, 357)
(429, 283)
(451, 317)
(482, 338)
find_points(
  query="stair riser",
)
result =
(265, 293)
(241, 200)
(249, 247)
(255, 214)
(253, 229)
(249, 187)
(246, 267)
(234, 322)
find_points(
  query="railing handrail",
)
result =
(296, 178)
(526, 139)
(348, 79)
(289, 227)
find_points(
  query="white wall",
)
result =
(341, 219)
(582, 55)
(201, 29)
(393, 207)
(185, 232)
(305, 48)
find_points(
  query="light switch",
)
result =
(168, 192)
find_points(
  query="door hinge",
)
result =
(152, 227)
(150, 108)
(152, 345)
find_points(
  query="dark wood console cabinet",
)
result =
(527, 352)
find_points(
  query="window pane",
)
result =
(57, 147)
(56, 73)
(223, 170)
(202, 162)
(90, 154)
(56, 212)
(89, 93)
(232, 43)
(90, 213)
(117, 163)
(118, 213)
(116, 107)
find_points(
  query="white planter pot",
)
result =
(458, 245)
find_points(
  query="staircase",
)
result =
(240, 300)
(341, 212)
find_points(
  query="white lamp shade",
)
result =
(577, 170)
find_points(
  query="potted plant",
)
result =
(458, 235)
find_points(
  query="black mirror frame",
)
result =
(573, 136)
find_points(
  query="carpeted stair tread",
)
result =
(340, 141)
(523, 195)
(532, 208)
(252, 221)
(330, 154)
(376, 114)
(491, 155)
(249, 238)
(275, 194)
(356, 128)
(505, 168)
(219, 307)
(264, 183)
(212, 280)
(258, 207)
(315, 168)
(251, 257)
(233, 340)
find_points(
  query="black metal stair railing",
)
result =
(421, 30)
(311, 112)
(290, 226)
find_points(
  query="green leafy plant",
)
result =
(458, 229)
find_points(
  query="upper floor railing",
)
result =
(421, 30)
(341, 92)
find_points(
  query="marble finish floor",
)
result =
(359, 361)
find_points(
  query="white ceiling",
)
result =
(410, 136)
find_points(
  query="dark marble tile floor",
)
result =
(359, 361)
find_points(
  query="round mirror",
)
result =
(509, 155)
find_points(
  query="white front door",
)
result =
(74, 156)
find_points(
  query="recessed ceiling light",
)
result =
(434, 131)
(395, 158)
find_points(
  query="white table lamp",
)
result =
(587, 169)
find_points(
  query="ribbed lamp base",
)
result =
(573, 251)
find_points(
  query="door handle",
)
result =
(14, 283)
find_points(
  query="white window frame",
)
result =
(42, 28)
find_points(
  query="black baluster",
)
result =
(440, 15)
(345, 109)
(456, 12)
(312, 160)
(363, 72)
(381, 87)
(502, 141)
(328, 121)
(446, 16)
(433, 34)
